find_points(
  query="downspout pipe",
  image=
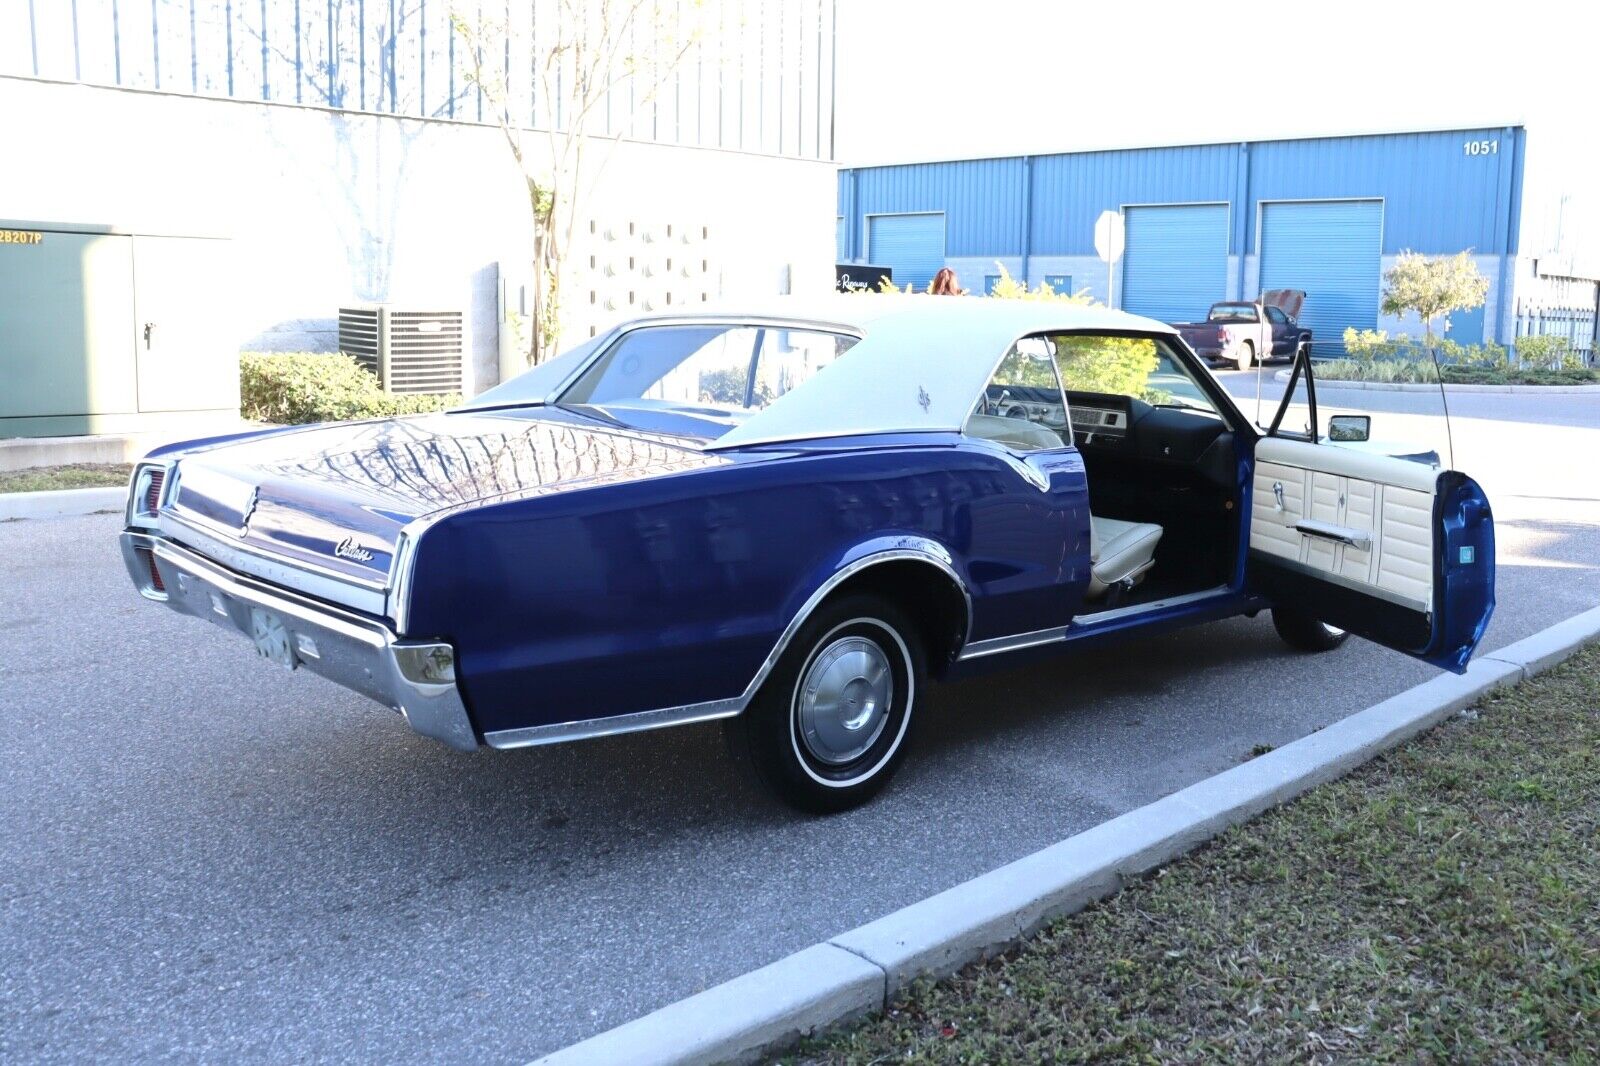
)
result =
(1027, 218)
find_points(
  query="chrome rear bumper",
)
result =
(351, 650)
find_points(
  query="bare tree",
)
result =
(593, 49)
(371, 157)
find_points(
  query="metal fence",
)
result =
(1575, 324)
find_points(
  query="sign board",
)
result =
(860, 277)
(1108, 236)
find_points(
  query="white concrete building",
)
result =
(339, 147)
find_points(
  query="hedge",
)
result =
(291, 388)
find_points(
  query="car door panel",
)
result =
(1362, 542)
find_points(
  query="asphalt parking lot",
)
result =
(203, 856)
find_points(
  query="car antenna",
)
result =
(1260, 369)
(1444, 399)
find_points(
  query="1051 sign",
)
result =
(1490, 147)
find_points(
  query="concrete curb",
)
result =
(57, 503)
(1282, 377)
(860, 971)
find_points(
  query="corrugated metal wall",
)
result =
(1330, 249)
(1176, 260)
(1070, 191)
(1437, 198)
(1439, 194)
(988, 192)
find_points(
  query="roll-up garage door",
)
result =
(1175, 265)
(1332, 250)
(912, 244)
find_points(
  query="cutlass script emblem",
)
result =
(349, 549)
(923, 398)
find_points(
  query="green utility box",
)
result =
(107, 331)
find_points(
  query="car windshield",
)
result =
(712, 374)
(1233, 313)
(1144, 368)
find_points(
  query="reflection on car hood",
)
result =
(338, 495)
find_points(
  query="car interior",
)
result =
(1159, 456)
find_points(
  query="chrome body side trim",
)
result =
(1013, 642)
(538, 735)
(359, 653)
(397, 601)
(1084, 623)
(914, 549)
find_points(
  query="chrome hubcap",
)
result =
(844, 699)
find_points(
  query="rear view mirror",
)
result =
(1350, 428)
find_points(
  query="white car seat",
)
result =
(1119, 552)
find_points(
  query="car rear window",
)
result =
(1233, 313)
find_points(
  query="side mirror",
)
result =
(1350, 428)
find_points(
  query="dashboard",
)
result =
(1111, 425)
(1107, 422)
(1100, 418)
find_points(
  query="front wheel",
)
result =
(829, 726)
(1299, 630)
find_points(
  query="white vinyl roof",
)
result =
(919, 367)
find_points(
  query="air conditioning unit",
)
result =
(410, 351)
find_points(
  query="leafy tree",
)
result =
(1432, 286)
(1119, 365)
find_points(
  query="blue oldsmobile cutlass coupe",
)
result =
(791, 517)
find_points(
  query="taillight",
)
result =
(1222, 334)
(152, 495)
(156, 584)
(144, 495)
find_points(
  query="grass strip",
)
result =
(70, 476)
(1441, 904)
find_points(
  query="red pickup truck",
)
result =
(1240, 333)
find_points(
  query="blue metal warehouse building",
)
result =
(1226, 221)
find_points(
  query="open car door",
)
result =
(1398, 551)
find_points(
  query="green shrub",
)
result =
(1544, 352)
(1479, 366)
(1009, 288)
(293, 388)
(1403, 371)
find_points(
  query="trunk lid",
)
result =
(336, 497)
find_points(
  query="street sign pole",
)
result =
(1108, 241)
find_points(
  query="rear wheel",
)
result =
(1299, 630)
(1247, 356)
(829, 726)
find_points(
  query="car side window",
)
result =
(1277, 317)
(1023, 407)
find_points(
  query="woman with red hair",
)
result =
(945, 283)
